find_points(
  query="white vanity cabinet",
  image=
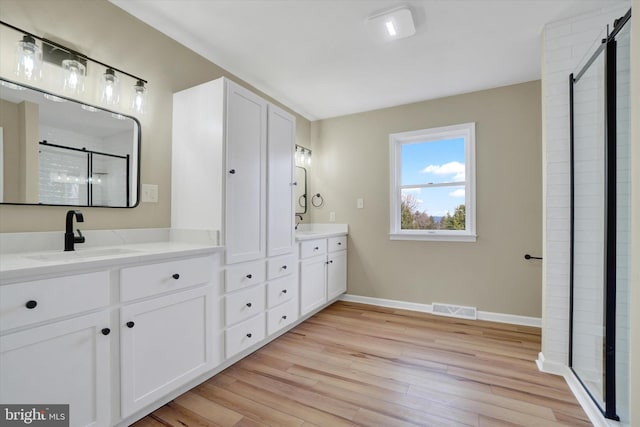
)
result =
(232, 169)
(282, 293)
(323, 271)
(281, 238)
(167, 340)
(336, 267)
(55, 346)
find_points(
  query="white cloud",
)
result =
(452, 168)
(457, 193)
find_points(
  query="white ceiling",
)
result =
(319, 58)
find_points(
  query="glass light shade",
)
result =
(28, 59)
(74, 73)
(138, 103)
(309, 158)
(109, 88)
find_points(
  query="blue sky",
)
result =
(434, 162)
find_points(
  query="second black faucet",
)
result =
(70, 239)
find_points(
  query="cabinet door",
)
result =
(164, 344)
(245, 195)
(65, 362)
(280, 170)
(313, 283)
(336, 274)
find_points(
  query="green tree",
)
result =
(455, 221)
(413, 219)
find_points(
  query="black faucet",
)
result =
(69, 238)
(301, 219)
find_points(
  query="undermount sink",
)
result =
(81, 254)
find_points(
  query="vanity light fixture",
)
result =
(28, 59)
(32, 50)
(138, 101)
(392, 24)
(74, 72)
(302, 156)
(110, 88)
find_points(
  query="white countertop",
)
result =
(320, 231)
(130, 247)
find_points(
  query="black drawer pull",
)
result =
(284, 291)
(331, 262)
(284, 267)
(130, 324)
(284, 317)
(232, 171)
(339, 243)
(249, 276)
(248, 304)
(176, 276)
(106, 331)
(249, 335)
(31, 304)
(316, 248)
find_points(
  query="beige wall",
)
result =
(106, 33)
(635, 214)
(351, 160)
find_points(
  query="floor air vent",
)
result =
(454, 311)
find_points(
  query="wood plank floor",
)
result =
(355, 364)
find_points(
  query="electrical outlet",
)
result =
(149, 193)
(360, 203)
(332, 217)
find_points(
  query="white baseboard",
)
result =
(588, 405)
(427, 308)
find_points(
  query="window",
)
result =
(433, 184)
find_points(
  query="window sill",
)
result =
(433, 237)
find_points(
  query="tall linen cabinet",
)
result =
(233, 172)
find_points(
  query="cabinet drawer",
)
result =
(51, 298)
(244, 304)
(281, 316)
(244, 335)
(152, 279)
(280, 266)
(243, 275)
(337, 243)
(309, 248)
(281, 290)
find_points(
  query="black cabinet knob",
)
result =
(130, 324)
(105, 331)
(248, 304)
(176, 276)
(249, 335)
(31, 304)
(232, 171)
(326, 262)
(316, 248)
(284, 267)
(339, 243)
(249, 276)
(331, 262)
(284, 291)
(284, 317)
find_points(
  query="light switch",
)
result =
(149, 193)
(360, 203)
(332, 217)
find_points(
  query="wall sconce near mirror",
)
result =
(303, 156)
(32, 52)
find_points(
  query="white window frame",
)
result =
(396, 140)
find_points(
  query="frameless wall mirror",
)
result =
(56, 151)
(301, 190)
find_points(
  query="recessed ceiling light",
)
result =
(392, 24)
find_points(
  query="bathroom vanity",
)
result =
(116, 331)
